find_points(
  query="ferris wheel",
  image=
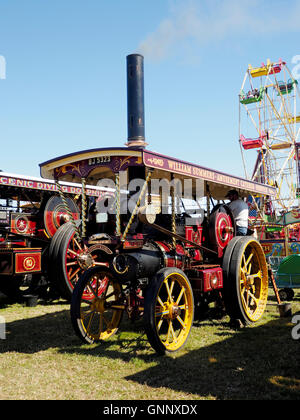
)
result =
(269, 130)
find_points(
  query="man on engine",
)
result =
(240, 211)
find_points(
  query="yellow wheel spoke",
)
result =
(172, 286)
(181, 321)
(245, 301)
(171, 331)
(122, 307)
(85, 314)
(90, 321)
(243, 277)
(113, 293)
(250, 267)
(160, 301)
(180, 295)
(161, 313)
(168, 333)
(168, 290)
(159, 324)
(249, 259)
(253, 297)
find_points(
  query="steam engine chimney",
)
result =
(135, 101)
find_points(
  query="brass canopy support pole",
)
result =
(67, 208)
(83, 208)
(173, 214)
(118, 205)
(142, 193)
(207, 200)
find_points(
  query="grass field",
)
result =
(41, 358)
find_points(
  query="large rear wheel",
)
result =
(169, 310)
(246, 281)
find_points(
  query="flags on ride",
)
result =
(252, 206)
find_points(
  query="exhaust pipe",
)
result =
(135, 101)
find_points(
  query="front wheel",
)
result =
(98, 318)
(169, 310)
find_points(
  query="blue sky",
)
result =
(65, 77)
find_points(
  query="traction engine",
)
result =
(163, 266)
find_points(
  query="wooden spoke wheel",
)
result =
(169, 310)
(69, 257)
(98, 318)
(245, 280)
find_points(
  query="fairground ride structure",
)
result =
(268, 134)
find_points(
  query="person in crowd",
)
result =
(240, 211)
